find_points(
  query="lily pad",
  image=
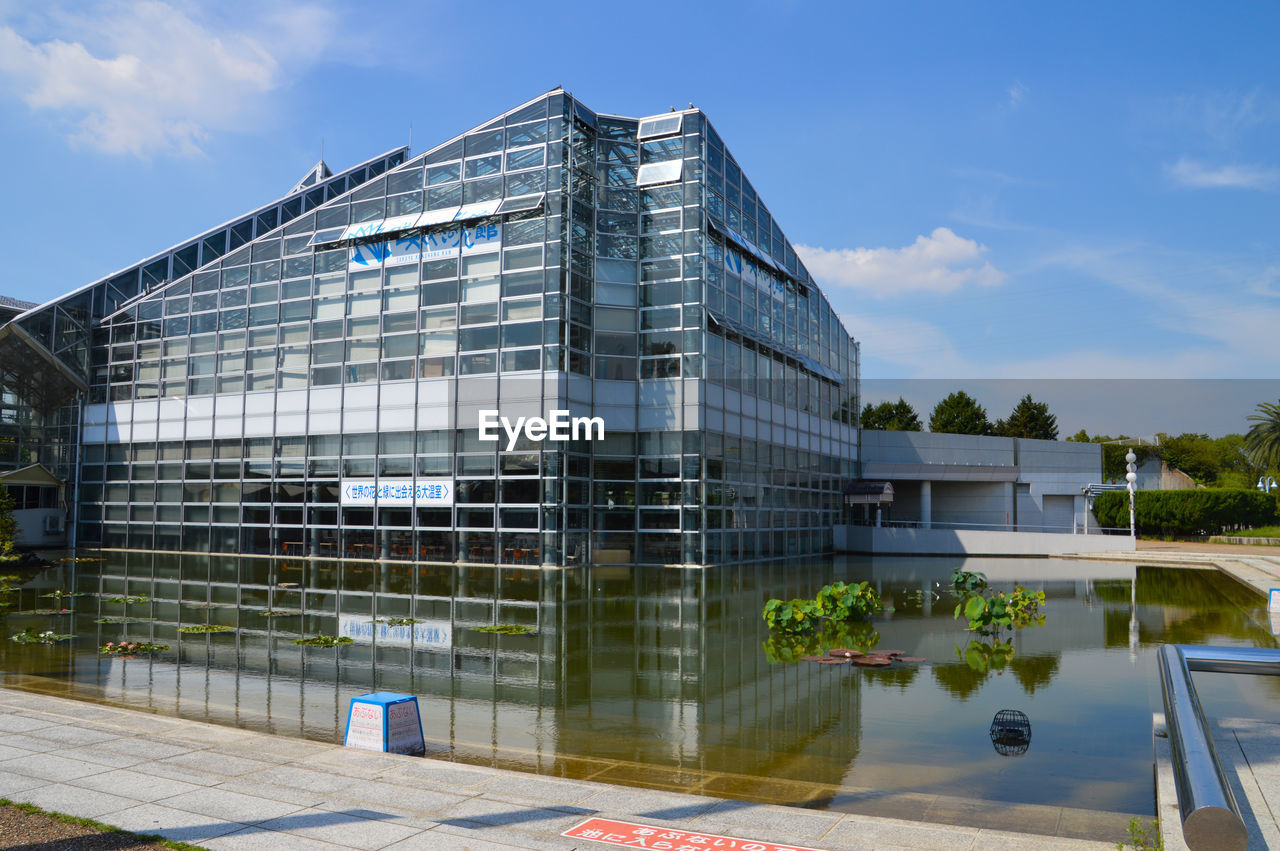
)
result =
(829, 661)
(845, 652)
(912, 659)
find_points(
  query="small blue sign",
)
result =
(385, 721)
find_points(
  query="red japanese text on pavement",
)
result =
(657, 838)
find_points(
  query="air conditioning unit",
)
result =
(53, 524)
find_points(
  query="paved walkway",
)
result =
(225, 788)
(1204, 547)
(1260, 571)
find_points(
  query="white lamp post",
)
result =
(1132, 478)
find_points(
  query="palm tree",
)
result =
(1263, 439)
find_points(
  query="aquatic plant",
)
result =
(61, 595)
(988, 612)
(30, 636)
(506, 629)
(836, 602)
(140, 598)
(123, 619)
(279, 613)
(204, 628)
(324, 641)
(398, 621)
(783, 646)
(130, 648)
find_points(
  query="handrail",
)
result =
(1210, 816)
(948, 525)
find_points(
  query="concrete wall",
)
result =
(972, 503)
(905, 449)
(903, 541)
(1033, 485)
(1155, 475)
(31, 527)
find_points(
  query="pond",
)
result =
(667, 677)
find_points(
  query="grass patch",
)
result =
(32, 809)
(506, 629)
(1260, 532)
(324, 641)
(198, 629)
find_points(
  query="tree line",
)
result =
(960, 413)
(1231, 461)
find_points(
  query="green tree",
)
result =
(1263, 439)
(8, 523)
(959, 413)
(1194, 454)
(1029, 419)
(891, 416)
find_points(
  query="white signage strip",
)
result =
(437, 217)
(406, 249)
(368, 255)
(438, 244)
(378, 227)
(481, 238)
(393, 492)
(478, 210)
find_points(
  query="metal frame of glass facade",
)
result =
(640, 279)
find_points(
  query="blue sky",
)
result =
(1070, 190)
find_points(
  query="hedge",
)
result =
(1195, 512)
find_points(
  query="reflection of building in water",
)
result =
(650, 676)
(647, 666)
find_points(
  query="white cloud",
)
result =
(1223, 117)
(1017, 92)
(1189, 174)
(915, 347)
(150, 78)
(938, 263)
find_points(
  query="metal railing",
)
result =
(1210, 816)
(992, 527)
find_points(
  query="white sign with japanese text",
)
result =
(397, 492)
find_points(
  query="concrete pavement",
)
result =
(232, 789)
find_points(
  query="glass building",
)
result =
(309, 379)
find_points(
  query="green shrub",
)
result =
(1191, 513)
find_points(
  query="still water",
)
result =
(663, 678)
